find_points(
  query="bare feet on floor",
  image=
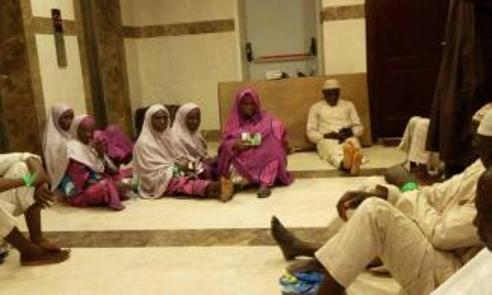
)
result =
(348, 155)
(226, 189)
(356, 162)
(44, 257)
(264, 192)
(47, 245)
(309, 265)
(290, 245)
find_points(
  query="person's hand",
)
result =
(43, 196)
(345, 133)
(332, 135)
(100, 147)
(240, 146)
(350, 200)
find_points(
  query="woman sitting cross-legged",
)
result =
(160, 164)
(254, 145)
(91, 179)
(186, 129)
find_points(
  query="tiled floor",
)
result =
(144, 249)
(297, 205)
(375, 157)
(183, 270)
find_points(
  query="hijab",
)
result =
(154, 156)
(55, 145)
(81, 152)
(192, 142)
(237, 123)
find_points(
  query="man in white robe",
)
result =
(475, 277)
(24, 190)
(422, 236)
(334, 126)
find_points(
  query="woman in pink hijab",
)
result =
(91, 179)
(254, 145)
(159, 163)
(56, 136)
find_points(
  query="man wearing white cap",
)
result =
(474, 277)
(334, 125)
(422, 236)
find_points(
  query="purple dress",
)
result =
(265, 164)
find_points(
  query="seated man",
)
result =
(24, 189)
(419, 160)
(474, 277)
(422, 236)
(413, 143)
(334, 125)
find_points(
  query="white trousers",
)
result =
(414, 142)
(331, 150)
(16, 201)
(378, 229)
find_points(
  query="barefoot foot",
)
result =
(311, 265)
(356, 162)
(226, 189)
(348, 155)
(290, 245)
(44, 258)
(264, 192)
(47, 245)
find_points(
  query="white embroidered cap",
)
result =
(485, 127)
(331, 84)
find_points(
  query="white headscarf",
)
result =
(55, 145)
(154, 156)
(192, 142)
(80, 152)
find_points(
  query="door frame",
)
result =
(372, 68)
(242, 33)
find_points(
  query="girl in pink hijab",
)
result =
(91, 179)
(56, 136)
(263, 161)
(158, 157)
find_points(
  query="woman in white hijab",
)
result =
(186, 128)
(56, 136)
(157, 155)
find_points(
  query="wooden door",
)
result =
(404, 40)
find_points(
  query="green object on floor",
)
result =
(409, 186)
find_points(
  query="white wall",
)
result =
(274, 31)
(43, 8)
(344, 42)
(59, 84)
(179, 69)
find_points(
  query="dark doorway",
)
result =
(404, 47)
(484, 14)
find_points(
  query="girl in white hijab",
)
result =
(186, 128)
(156, 155)
(56, 136)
